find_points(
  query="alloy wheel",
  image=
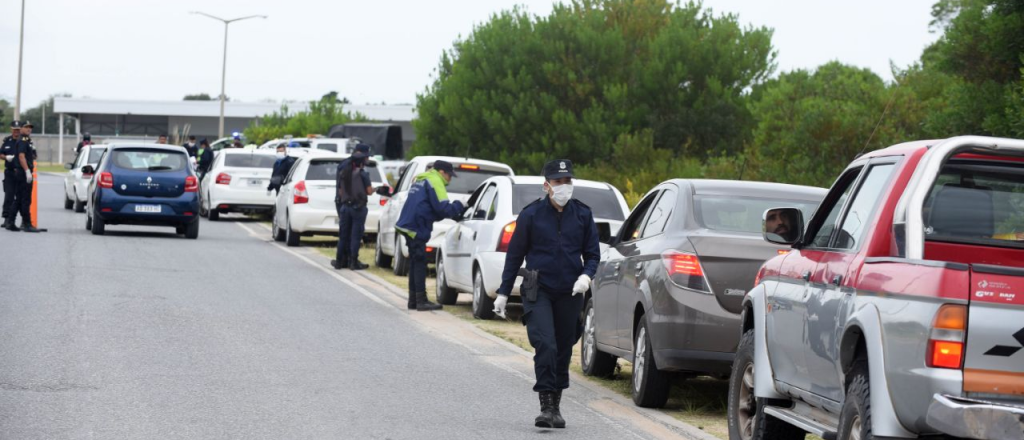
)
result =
(588, 338)
(476, 293)
(855, 428)
(748, 404)
(639, 363)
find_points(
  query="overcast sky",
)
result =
(369, 51)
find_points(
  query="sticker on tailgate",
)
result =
(999, 289)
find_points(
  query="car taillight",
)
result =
(223, 179)
(191, 184)
(301, 195)
(757, 278)
(684, 270)
(383, 201)
(467, 166)
(106, 180)
(946, 344)
(506, 236)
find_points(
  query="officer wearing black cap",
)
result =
(9, 154)
(558, 238)
(352, 186)
(24, 165)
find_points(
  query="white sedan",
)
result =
(237, 182)
(76, 183)
(305, 205)
(472, 255)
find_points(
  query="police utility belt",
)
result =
(531, 284)
(352, 203)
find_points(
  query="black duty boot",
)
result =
(27, 227)
(559, 421)
(424, 305)
(412, 302)
(546, 419)
(12, 227)
(339, 265)
(358, 265)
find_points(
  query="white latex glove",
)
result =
(500, 304)
(28, 177)
(582, 284)
(9, 158)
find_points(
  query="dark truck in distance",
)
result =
(899, 312)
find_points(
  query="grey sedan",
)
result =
(668, 292)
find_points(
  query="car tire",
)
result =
(445, 295)
(180, 230)
(855, 417)
(483, 305)
(379, 258)
(214, 215)
(650, 386)
(593, 361)
(275, 231)
(401, 263)
(68, 203)
(291, 238)
(192, 230)
(98, 226)
(79, 206)
(88, 222)
(747, 420)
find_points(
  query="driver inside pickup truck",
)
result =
(780, 222)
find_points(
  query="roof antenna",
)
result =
(884, 112)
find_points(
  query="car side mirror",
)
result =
(88, 169)
(604, 233)
(383, 191)
(784, 226)
(69, 166)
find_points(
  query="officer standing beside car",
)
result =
(9, 153)
(558, 238)
(24, 165)
(353, 188)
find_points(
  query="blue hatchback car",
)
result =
(144, 184)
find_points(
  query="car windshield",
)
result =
(95, 154)
(322, 170)
(978, 202)
(149, 160)
(468, 180)
(742, 214)
(250, 161)
(602, 201)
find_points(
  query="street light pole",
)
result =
(224, 66)
(21, 46)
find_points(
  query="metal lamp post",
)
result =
(21, 45)
(224, 66)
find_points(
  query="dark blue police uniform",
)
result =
(9, 148)
(23, 189)
(352, 211)
(560, 246)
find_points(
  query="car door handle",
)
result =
(806, 275)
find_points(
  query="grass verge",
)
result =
(47, 167)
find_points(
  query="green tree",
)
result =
(521, 88)
(197, 97)
(316, 119)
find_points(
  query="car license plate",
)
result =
(147, 208)
(255, 182)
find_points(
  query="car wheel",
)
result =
(98, 226)
(291, 238)
(445, 295)
(214, 215)
(401, 266)
(192, 230)
(79, 206)
(483, 305)
(88, 222)
(747, 420)
(593, 361)
(203, 212)
(275, 231)
(180, 230)
(68, 203)
(650, 385)
(379, 258)
(855, 417)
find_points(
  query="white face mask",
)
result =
(561, 194)
(280, 155)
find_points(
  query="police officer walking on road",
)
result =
(558, 238)
(24, 164)
(9, 154)
(352, 187)
(427, 202)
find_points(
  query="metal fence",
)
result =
(48, 145)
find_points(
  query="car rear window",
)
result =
(375, 174)
(250, 161)
(978, 202)
(322, 170)
(149, 160)
(468, 180)
(602, 201)
(742, 214)
(327, 147)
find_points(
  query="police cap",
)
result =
(363, 148)
(15, 124)
(444, 165)
(558, 169)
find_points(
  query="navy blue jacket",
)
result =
(425, 205)
(9, 148)
(280, 171)
(560, 246)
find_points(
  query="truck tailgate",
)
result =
(994, 362)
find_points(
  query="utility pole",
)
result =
(224, 66)
(21, 48)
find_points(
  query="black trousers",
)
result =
(22, 199)
(417, 267)
(553, 326)
(10, 190)
(351, 225)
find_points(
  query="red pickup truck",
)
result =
(899, 312)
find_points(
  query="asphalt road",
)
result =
(144, 334)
